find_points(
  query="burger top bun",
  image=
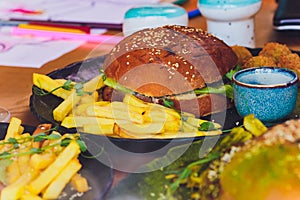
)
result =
(169, 60)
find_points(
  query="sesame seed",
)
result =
(176, 65)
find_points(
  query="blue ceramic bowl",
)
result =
(267, 92)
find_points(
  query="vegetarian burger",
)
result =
(174, 65)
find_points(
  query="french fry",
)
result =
(118, 131)
(182, 134)
(168, 111)
(23, 160)
(254, 125)
(46, 176)
(80, 183)
(143, 129)
(30, 197)
(15, 190)
(208, 133)
(41, 161)
(196, 122)
(186, 127)
(62, 81)
(109, 112)
(13, 172)
(87, 98)
(172, 126)
(80, 121)
(61, 180)
(14, 128)
(80, 109)
(35, 169)
(128, 108)
(93, 84)
(132, 100)
(98, 129)
(178, 134)
(64, 108)
(46, 83)
(158, 115)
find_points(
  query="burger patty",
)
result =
(201, 105)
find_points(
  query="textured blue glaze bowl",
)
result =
(267, 92)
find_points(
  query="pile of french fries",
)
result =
(42, 175)
(131, 118)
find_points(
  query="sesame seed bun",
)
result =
(172, 60)
(169, 60)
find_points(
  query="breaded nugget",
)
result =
(242, 53)
(274, 50)
(259, 61)
(290, 61)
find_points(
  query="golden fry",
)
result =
(64, 108)
(41, 161)
(109, 112)
(61, 180)
(14, 128)
(254, 125)
(132, 100)
(80, 121)
(98, 129)
(46, 83)
(80, 183)
(46, 176)
(15, 190)
(13, 172)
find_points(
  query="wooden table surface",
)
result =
(16, 82)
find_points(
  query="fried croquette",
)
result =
(259, 61)
(290, 61)
(274, 50)
(242, 53)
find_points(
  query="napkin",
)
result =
(33, 52)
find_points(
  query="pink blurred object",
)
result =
(64, 35)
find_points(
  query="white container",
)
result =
(231, 20)
(152, 16)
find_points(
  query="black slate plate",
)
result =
(99, 175)
(42, 107)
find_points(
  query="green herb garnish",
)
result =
(183, 174)
(168, 103)
(17, 142)
(207, 126)
(229, 74)
(68, 85)
(226, 90)
(79, 89)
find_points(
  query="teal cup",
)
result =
(269, 93)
